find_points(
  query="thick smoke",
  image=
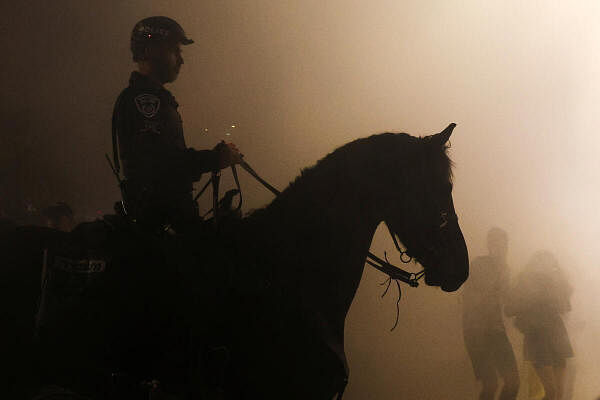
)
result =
(298, 79)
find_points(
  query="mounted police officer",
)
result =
(159, 168)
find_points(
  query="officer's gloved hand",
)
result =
(228, 154)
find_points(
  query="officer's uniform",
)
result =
(159, 169)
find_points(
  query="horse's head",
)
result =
(419, 209)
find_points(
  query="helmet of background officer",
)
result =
(156, 47)
(497, 242)
(59, 216)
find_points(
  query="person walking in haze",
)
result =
(541, 294)
(148, 137)
(484, 333)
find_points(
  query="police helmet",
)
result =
(153, 30)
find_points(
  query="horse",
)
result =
(258, 310)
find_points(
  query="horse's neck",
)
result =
(325, 245)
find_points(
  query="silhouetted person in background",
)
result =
(158, 166)
(541, 294)
(59, 216)
(485, 336)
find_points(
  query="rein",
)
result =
(266, 184)
(395, 273)
(215, 179)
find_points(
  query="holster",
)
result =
(132, 198)
(156, 207)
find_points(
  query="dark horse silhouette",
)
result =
(257, 309)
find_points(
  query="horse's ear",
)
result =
(442, 137)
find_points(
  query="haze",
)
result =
(300, 78)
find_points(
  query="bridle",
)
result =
(393, 272)
(398, 274)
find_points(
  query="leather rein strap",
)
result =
(215, 179)
(249, 169)
(394, 272)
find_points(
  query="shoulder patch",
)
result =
(148, 104)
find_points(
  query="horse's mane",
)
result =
(403, 147)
